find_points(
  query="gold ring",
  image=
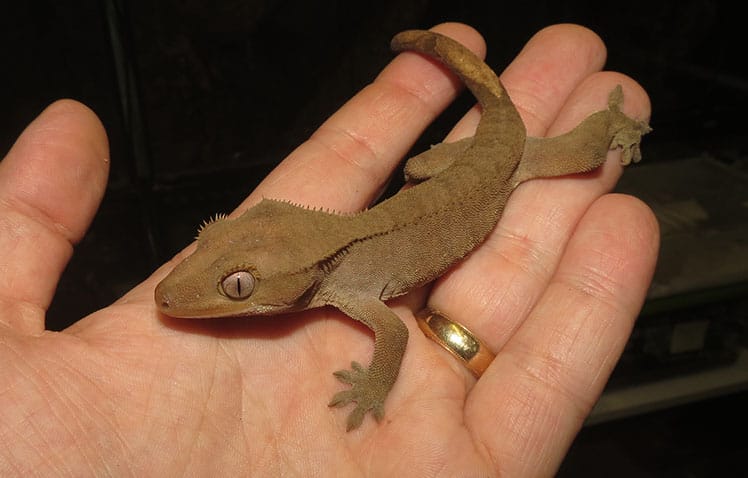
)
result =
(457, 340)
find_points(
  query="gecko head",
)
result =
(238, 271)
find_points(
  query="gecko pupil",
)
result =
(238, 285)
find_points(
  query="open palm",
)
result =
(125, 391)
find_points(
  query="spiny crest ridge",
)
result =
(211, 220)
(322, 209)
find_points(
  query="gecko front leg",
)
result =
(371, 385)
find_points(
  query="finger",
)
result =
(51, 183)
(533, 398)
(496, 286)
(552, 65)
(348, 160)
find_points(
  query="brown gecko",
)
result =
(278, 257)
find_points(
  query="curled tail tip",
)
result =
(406, 39)
(434, 44)
(477, 76)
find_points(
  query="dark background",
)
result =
(202, 99)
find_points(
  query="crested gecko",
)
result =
(278, 257)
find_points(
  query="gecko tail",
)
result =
(477, 76)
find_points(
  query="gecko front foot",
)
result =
(368, 393)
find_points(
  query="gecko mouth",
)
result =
(167, 304)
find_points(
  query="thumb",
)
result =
(51, 183)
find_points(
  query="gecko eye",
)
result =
(238, 285)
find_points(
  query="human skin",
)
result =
(554, 290)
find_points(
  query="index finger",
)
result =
(347, 161)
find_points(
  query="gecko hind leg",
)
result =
(585, 147)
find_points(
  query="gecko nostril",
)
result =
(162, 298)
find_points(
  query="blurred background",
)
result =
(201, 99)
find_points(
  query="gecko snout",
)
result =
(162, 298)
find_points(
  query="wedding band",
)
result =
(457, 340)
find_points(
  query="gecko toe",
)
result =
(342, 399)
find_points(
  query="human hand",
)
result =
(554, 290)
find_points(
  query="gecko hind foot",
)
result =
(365, 390)
(628, 132)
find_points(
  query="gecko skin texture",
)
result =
(278, 257)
